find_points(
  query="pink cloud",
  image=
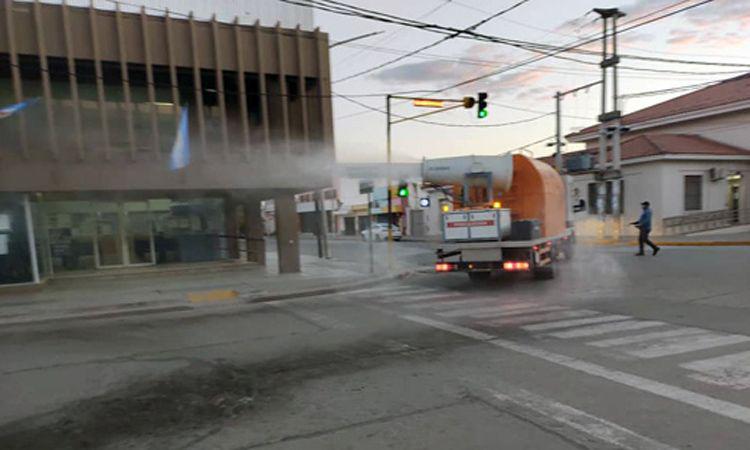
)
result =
(522, 79)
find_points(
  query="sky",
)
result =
(718, 31)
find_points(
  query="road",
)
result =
(616, 352)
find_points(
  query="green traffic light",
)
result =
(403, 192)
(482, 113)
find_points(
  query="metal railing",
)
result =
(702, 221)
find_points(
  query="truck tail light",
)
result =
(445, 267)
(515, 266)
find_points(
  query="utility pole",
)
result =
(559, 144)
(609, 119)
(322, 218)
(369, 231)
(440, 107)
(388, 180)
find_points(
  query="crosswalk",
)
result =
(614, 335)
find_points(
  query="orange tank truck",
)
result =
(509, 215)
(537, 192)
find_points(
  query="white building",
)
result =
(346, 208)
(689, 156)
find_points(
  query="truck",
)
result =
(508, 214)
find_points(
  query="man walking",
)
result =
(644, 225)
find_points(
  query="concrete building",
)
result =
(85, 179)
(689, 156)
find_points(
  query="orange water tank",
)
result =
(537, 192)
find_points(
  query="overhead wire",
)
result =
(432, 44)
(447, 124)
(548, 51)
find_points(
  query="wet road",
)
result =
(616, 352)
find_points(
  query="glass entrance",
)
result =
(108, 240)
(124, 235)
(139, 234)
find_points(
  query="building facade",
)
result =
(689, 156)
(85, 178)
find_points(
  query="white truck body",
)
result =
(476, 225)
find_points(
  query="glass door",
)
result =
(139, 235)
(109, 240)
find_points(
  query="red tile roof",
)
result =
(645, 145)
(729, 91)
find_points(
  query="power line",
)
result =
(433, 44)
(541, 57)
(546, 50)
(489, 63)
(446, 124)
(522, 147)
(393, 34)
(669, 90)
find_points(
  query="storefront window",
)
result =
(188, 230)
(70, 230)
(15, 260)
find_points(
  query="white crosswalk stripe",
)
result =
(393, 289)
(613, 342)
(408, 290)
(447, 304)
(435, 296)
(519, 312)
(682, 344)
(536, 318)
(404, 297)
(732, 371)
(574, 323)
(498, 309)
(611, 327)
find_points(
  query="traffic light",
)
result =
(482, 105)
(403, 190)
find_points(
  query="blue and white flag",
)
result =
(180, 156)
(12, 109)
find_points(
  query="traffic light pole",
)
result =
(369, 231)
(466, 102)
(389, 181)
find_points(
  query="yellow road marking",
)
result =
(212, 296)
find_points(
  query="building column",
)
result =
(254, 232)
(31, 239)
(287, 233)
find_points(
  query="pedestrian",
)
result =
(644, 226)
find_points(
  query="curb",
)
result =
(614, 243)
(328, 290)
(704, 244)
(120, 311)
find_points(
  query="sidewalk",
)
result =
(723, 237)
(185, 288)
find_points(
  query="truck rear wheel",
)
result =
(545, 272)
(479, 277)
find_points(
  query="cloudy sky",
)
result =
(718, 31)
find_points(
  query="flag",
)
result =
(12, 109)
(180, 156)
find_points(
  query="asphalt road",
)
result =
(616, 352)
